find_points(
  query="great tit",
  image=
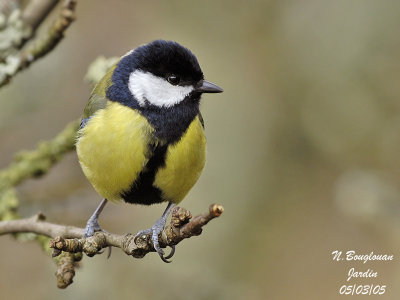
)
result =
(141, 139)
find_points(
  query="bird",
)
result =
(141, 139)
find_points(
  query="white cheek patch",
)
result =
(158, 91)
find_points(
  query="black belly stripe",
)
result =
(142, 190)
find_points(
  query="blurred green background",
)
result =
(303, 150)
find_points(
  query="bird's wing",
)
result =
(114, 148)
(201, 120)
(98, 99)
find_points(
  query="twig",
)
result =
(37, 224)
(54, 35)
(36, 11)
(18, 62)
(66, 268)
(182, 226)
(70, 239)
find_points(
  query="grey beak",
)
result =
(208, 87)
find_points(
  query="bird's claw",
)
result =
(171, 253)
(93, 226)
(142, 233)
(108, 252)
(155, 231)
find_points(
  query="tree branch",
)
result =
(28, 164)
(36, 11)
(34, 163)
(17, 62)
(54, 35)
(70, 239)
(38, 225)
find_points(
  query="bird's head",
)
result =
(161, 74)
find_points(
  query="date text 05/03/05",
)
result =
(368, 289)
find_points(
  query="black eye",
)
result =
(173, 79)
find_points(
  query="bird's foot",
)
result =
(93, 226)
(155, 231)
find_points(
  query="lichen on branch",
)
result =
(19, 27)
(28, 164)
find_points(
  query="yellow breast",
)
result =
(112, 149)
(183, 165)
